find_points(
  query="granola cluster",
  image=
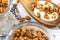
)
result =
(3, 5)
(48, 8)
(26, 33)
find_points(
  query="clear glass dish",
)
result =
(7, 9)
(4, 15)
(31, 25)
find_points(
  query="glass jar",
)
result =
(4, 15)
(30, 24)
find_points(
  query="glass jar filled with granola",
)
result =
(4, 10)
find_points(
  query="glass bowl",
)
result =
(7, 9)
(31, 25)
(4, 15)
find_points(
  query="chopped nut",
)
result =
(18, 30)
(42, 38)
(46, 2)
(34, 4)
(38, 15)
(46, 9)
(34, 33)
(48, 13)
(39, 34)
(51, 10)
(32, 7)
(22, 19)
(45, 37)
(17, 1)
(1, 10)
(4, 1)
(39, 6)
(59, 11)
(0, 4)
(16, 38)
(24, 28)
(0, 1)
(46, 16)
(21, 38)
(56, 9)
(28, 18)
(35, 39)
(17, 34)
(4, 5)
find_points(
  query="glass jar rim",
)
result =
(7, 9)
